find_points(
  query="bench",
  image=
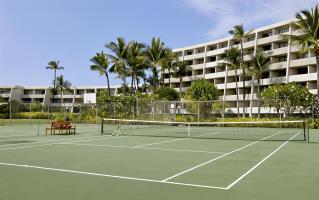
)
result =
(60, 128)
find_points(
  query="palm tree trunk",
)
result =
(154, 78)
(317, 63)
(237, 95)
(137, 83)
(169, 77)
(258, 100)
(180, 87)
(244, 76)
(61, 96)
(108, 83)
(132, 81)
(54, 84)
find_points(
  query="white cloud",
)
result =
(252, 13)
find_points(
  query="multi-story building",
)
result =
(44, 95)
(288, 64)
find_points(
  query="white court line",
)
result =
(150, 148)
(162, 142)
(259, 163)
(214, 159)
(9, 136)
(29, 146)
(167, 141)
(110, 176)
(51, 141)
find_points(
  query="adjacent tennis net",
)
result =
(266, 130)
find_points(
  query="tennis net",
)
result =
(266, 130)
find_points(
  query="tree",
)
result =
(181, 70)
(118, 58)
(54, 65)
(62, 85)
(166, 93)
(135, 60)
(169, 63)
(308, 26)
(239, 34)
(155, 54)
(232, 57)
(288, 98)
(101, 65)
(260, 65)
(201, 90)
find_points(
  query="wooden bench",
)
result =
(60, 128)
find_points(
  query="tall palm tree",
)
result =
(62, 85)
(239, 34)
(169, 63)
(54, 65)
(118, 58)
(101, 65)
(260, 65)
(181, 70)
(308, 24)
(136, 61)
(155, 54)
(232, 57)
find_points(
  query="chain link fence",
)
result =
(154, 110)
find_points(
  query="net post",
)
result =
(188, 130)
(102, 128)
(304, 130)
(38, 127)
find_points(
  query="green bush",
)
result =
(166, 93)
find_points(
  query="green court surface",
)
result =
(89, 165)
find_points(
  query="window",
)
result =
(264, 35)
(282, 58)
(282, 44)
(284, 30)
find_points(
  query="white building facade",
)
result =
(288, 64)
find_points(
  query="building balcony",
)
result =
(303, 62)
(216, 52)
(303, 77)
(197, 66)
(269, 39)
(249, 44)
(279, 65)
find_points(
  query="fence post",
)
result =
(10, 112)
(153, 110)
(198, 111)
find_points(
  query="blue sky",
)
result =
(34, 32)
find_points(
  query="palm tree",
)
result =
(260, 65)
(62, 85)
(308, 24)
(239, 34)
(232, 57)
(118, 58)
(181, 70)
(155, 53)
(136, 61)
(101, 65)
(54, 65)
(169, 63)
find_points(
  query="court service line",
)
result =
(51, 140)
(260, 162)
(167, 141)
(9, 136)
(219, 157)
(148, 148)
(29, 146)
(110, 176)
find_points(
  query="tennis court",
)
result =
(158, 161)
